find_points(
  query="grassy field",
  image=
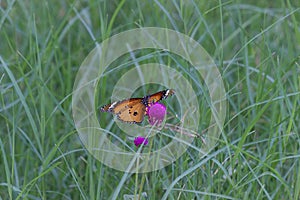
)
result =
(256, 47)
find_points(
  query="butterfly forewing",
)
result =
(132, 110)
(105, 108)
(129, 110)
(159, 96)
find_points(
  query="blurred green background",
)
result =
(256, 46)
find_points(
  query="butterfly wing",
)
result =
(129, 110)
(106, 108)
(159, 96)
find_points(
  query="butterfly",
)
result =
(133, 110)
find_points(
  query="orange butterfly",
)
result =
(133, 110)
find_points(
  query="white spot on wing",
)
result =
(167, 93)
(112, 105)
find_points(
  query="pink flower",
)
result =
(140, 140)
(156, 113)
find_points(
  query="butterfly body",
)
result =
(133, 110)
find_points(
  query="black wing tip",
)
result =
(171, 92)
(168, 92)
(105, 108)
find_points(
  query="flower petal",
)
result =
(156, 113)
(140, 140)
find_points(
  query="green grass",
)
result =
(256, 47)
